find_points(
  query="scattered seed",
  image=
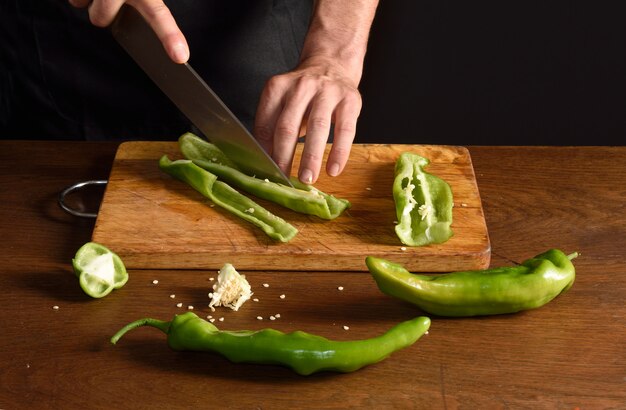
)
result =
(221, 319)
(55, 307)
(172, 296)
(211, 295)
(403, 248)
(272, 317)
(211, 320)
(339, 287)
(212, 308)
(346, 327)
(277, 315)
(259, 318)
(368, 188)
(282, 296)
(426, 332)
(190, 307)
(211, 205)
(155, 282)
(255, 300)
(266, 180)
(211, 279)
(463, 204)
(266, 285)
(179, 305)
(209, 317)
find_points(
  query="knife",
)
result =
(193, 97)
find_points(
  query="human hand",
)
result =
(103, 12)
(315, 95)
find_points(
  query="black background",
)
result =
(505, 72)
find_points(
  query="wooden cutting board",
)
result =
(154, 221)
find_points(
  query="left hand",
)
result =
(315, 95)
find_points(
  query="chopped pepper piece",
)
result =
(99, 270)
(301, 198)
(479, 292)
(303, 352)
(226, 197)
(423, 203)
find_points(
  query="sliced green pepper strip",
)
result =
(194, 147)
(479, 292)
(99, 270)
(302, 198)
(226, 197)
(423, 203)
(303, 352)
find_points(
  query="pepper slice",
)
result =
(226, 197)
(99, 269)
(423, 203)
(303, 352)
(479, 292)
(301, 198)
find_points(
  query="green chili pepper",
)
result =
(303, 352)
(194, 147)
(423, 203)
(302, 198)
(99, 270)
(479, 292)
(229, 199)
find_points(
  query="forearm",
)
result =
(339, 32)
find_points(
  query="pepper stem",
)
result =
(159, 324)
(572, 256)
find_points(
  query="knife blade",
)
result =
(193, 97)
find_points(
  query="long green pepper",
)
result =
(303, 352)
(301, 197)
(529, 285)
(423, 203)
(228, 198)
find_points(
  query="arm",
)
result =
(156, 13)
(320, 91)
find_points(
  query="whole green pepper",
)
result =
(479, 292)
(229, 199)
(303, 352)
(423, 203)
(301, 197)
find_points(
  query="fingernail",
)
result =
(306, 176)
(181, 53)
(333, 170)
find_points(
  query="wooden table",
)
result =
(570, 353)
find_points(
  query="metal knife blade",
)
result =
(193, 97)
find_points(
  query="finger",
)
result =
(288, 124)
(346, 115)
(318, 130)
(102, 12)
(268, 110)
(81, 4)
(158, 15)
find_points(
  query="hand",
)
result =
(103, 12)
(315, 95)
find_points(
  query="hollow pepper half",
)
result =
(423, 203)
(228, 198)
(301, 197)
(529, 285)
(303, 352)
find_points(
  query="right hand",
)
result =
(103, 12)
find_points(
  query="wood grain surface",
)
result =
(568, 354)
(155, 221)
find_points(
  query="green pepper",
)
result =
(301, 198)
(423, 203)
(99, 270)
(479, 292)
(194, 147)
(303, 352)
(228, 198)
